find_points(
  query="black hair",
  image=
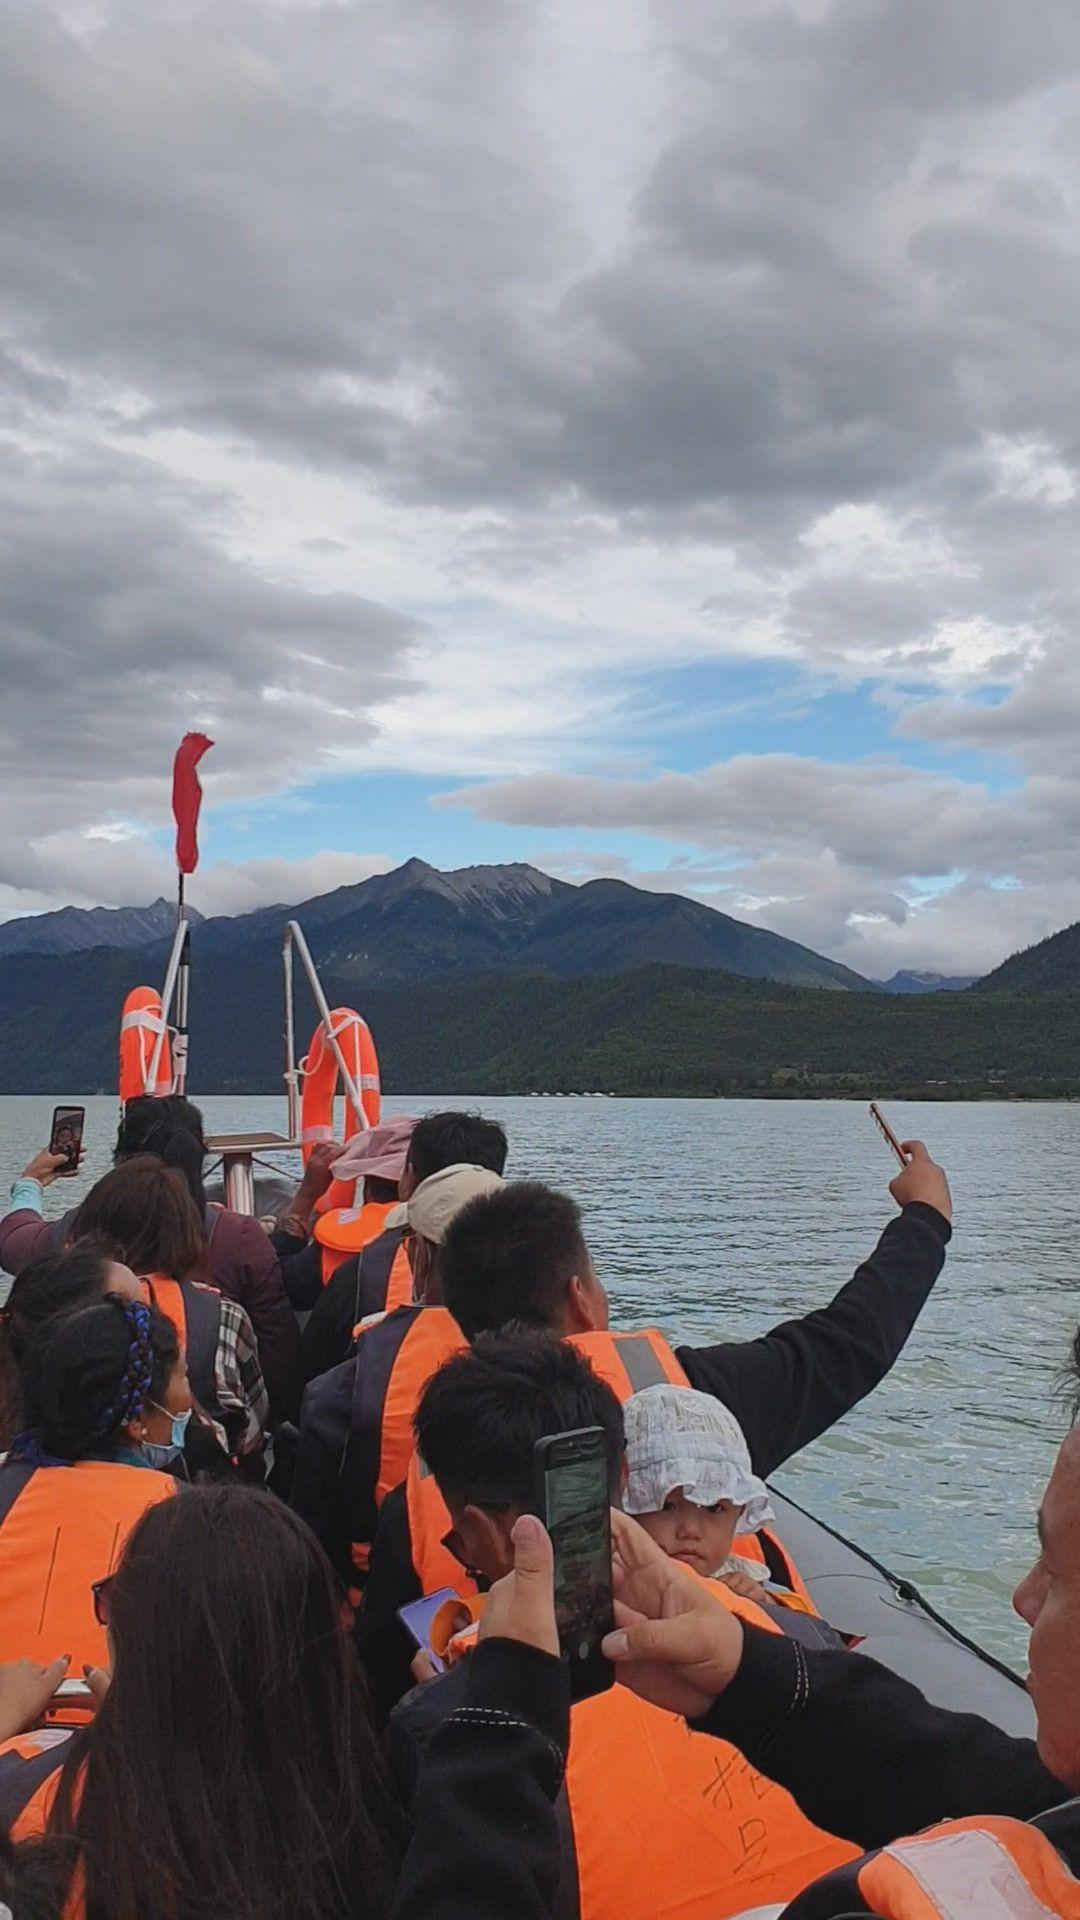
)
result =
(34, 1877)
(456, 1139)
(233, 1767)
(144, 1212)
(481, 1415)
(45, 1288)
(380, 1190)
(87, 1374)
(508, 1256)
(171, 1128)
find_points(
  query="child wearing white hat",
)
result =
(691, 1485)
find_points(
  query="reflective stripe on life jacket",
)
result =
(29, 1776)
(65, 1529)
(348, 1230)
(981, 1868)
(630, 1362)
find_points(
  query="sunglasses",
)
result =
(102, 1592)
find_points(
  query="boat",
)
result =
(885, 1616)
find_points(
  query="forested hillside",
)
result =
(652, 1030)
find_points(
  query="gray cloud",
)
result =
(652, 314)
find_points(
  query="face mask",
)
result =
(162, 1456)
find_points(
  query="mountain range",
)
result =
(419, 924)
(503, 980)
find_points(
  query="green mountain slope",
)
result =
(652, 1030)
(1053, 963)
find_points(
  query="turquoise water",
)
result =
(715, 1219)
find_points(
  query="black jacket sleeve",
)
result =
(795, 1382)
(487, 1841)
(317, 1494)
(385, 1648)
(327, 1337)
(302, 1274)
(863, 1752)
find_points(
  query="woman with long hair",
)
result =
(240, 1262)
(232, 1771)
(102, 1387)
(144, 1212)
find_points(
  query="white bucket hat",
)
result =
(676, 1437)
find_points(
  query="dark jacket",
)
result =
(487, 1841)
(341, 1421)
(895, 1763)
(785, 1389)
(862, 1751)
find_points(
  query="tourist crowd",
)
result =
(279, 1624)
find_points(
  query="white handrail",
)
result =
(167, 992)
(294, 936)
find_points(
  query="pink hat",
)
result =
(379, 1154)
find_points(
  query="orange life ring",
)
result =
(321, 1076)
(140, 1023)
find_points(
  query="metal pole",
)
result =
(167, 992)
(292, 1088)
(352, 1091)
(183, 986)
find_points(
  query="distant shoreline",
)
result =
(928, 1094)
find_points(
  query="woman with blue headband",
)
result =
(105, 1401)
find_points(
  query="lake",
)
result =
(715, 1219)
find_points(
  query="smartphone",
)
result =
(417, 1619)
(572, 1498)
(66, 1137)
(72, 1693)
(882, 1124)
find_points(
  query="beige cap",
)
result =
(439, 1199)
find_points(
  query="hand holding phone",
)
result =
(66, 1137)
(887, 1133)
(571, 1495)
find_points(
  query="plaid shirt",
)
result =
(238, 1376)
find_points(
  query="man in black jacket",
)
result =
(520, 1255)
(860, 1749)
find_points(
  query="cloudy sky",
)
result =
(637, 436)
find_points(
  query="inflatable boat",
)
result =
(885, 1616)
(892, 1622)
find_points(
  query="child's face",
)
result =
(699, 1536)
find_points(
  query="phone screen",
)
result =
(572, 1489)
(66, 1137)
(417, 1619)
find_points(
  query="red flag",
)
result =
(187, 798)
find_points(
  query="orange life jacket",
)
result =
(424, 1337)
(984, 1865)
(628, 1362)
(62, 1528)
(348, 1230)
(194, 1311)
(693, 1832)
(399, 1287)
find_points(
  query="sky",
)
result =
(637, 438)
